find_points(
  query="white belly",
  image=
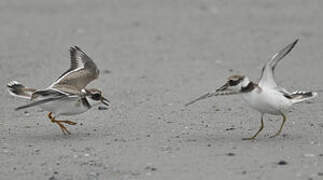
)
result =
(267, 101)
(67, 106)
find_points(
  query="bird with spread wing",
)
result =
(265, 96)
(68, 95)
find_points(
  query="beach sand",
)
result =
(155, 56)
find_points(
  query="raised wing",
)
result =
(267, 74)
(81, 72)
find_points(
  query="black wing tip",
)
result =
(75, 49)
(18, 108)
(291, 46)
(190, 103)
(295, 42)
(297, 39)
(287, 49)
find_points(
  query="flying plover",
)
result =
(67, 95)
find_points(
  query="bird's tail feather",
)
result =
(300, 96)
(19, 90)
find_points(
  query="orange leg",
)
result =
(59, 123)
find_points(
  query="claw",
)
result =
(63, 128)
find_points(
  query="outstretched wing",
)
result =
(44, 96)
(267, 74)
(42, 101)
(81, 72)
(208, 95)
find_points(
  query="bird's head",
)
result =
(236, 84)
(96, 95)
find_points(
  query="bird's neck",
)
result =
(249, 87)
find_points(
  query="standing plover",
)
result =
(67, 95)
(265, 96)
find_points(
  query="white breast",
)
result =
(267, 100)
(66, 106)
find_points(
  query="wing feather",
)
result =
(81, 72)
(42, 101)
(267, 74)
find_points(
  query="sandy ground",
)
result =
(154, 56)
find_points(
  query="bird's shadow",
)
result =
(55, 136)
(238, 138)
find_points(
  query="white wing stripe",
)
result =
(58, 80)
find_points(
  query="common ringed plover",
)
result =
(67, 95)
(265, 96)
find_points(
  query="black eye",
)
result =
(96, 97)
(233, 83)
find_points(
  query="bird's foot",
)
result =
(63, 128)
(59, 123)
